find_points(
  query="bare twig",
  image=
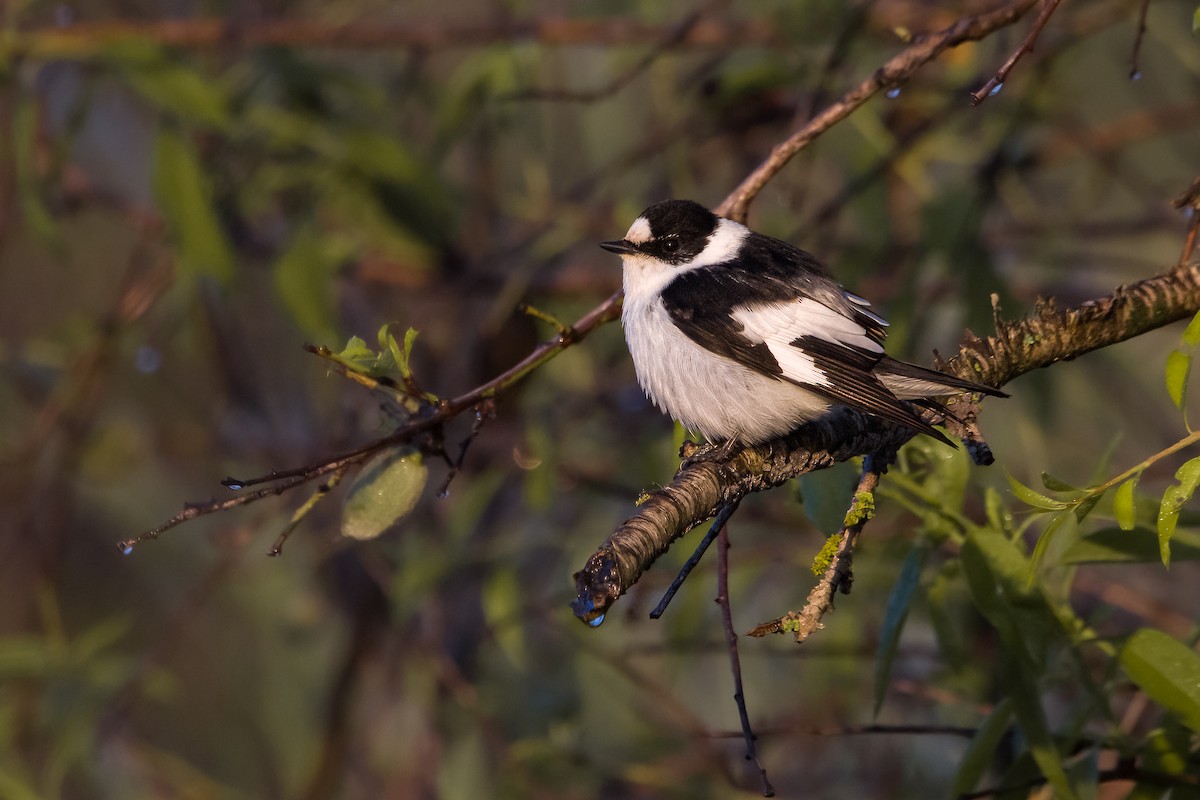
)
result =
(717, 526)
(1190, 200)
(1135, 69)
(960, 731)
(735, 663)
(996, 82)
(320, 494)
(894, 72)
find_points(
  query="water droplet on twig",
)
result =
(893, 93)
(597, 622)
(233, 483)
(996, 89)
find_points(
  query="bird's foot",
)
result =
(693, 452)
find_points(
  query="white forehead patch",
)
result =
(639, 231)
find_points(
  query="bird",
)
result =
(743, 338)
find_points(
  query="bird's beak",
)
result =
(622, 247)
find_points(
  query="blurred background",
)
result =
(191, 191)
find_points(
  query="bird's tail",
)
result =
(910, 382)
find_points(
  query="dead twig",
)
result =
(893, 73)
(996, 82)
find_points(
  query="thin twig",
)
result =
(718, 524)
(1190, 200)
(894, 72)
(735, 663)
(962, 732)
(446, 410)
(320, 494)
(85, 39)
(996, 82)
(1135, 69)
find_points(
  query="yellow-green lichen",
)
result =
(789, 622)
(824, 558)
(861, 510)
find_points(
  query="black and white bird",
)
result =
(743, 338)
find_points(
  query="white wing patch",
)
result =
(779, 324)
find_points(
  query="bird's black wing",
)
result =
(703, 302)
(777, 311)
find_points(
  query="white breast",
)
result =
(707, 393)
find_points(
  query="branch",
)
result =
(87, 39)
(996, 83)
(837, 575)
(891, 74)
(700, 488)
(446, 410)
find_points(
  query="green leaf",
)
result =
(402, 357)
(893, 620)
(186, 197)
(1085, 506)
(997, 578)
(1164, 752)
(304, 278)
(982, 749)
(357, 354)
(945, 601)
(1027, 706)
(1191, 336)
(1055, 485)
(1003, 566)
(1167, 671)
(998, 515)
(1196, 21)
(1043, 542)
(1031, 498)
(1173, 500)
(1179, 364)
(1123, 506)
(171, 85)
(385, 491)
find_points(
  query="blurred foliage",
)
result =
(180, 212)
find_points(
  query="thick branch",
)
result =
(1047, 336)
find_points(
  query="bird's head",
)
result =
(675, 233)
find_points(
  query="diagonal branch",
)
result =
(996, 82)
(281, 482)
(1047, 336)
(894, 72)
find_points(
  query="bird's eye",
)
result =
(670, 245)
